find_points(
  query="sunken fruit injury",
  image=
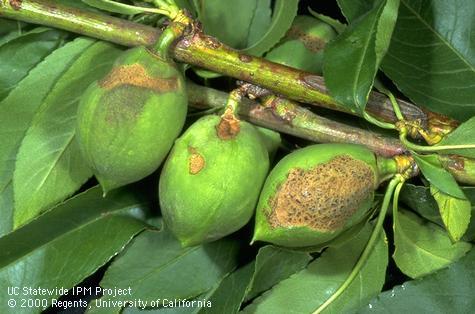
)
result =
(127, 121)
(210, 183)
(315, 193)
(303, 45)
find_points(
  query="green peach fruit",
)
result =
(302, 47)
(315, 193)
(128, 121)
(210, 183)
(271, 140)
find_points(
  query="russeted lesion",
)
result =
(229, 125)
(324, 197)
(196, 161)
(311, 42)
(127, 90)
(136, 75)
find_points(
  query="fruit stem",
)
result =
(170, 34)
(387, 168)
(232, 104)
(398, 179)
(229, 125)
(164, 42)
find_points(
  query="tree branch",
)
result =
(207, 52)
(287, 117)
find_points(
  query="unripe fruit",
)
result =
(210, 183)
(271, 140)
(127, 121)
(315, 193)
(302, 47)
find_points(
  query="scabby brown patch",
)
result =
(322, 198)
(229, 126)
(196, 162)
(136, 75)
(312, 43)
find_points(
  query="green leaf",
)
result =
(470, 234)
(309, 288)
(420, 200)
(200, 302)
(114, 7)
(79, 4)
(156, 266)
(11, 29)
(351, 60)
(261, 21)
(352, 9)
(432, 57)
(447, 291)
(57, 169)
(464, 134)
(386, 24)
(9, 37)
(229, 21)
(284, 13)
(433, 171)
(23, 52)
(68, 243)
(186, 4)
(8, 26)
(455, 213)
(341, 239)
(6, 209)
(230, 293)
(423, 247)
(338, 26)
(17, 110)
(272, 265)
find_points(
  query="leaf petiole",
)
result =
(397, 191)
(393, 184)
(429, 149)
(396, 108)
(381, 124)
(133, 9)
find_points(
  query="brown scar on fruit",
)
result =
(136, 75)
(312, 43)
(229, 126)
(196, 162)
(322, 198)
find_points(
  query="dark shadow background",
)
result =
(327, 7)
